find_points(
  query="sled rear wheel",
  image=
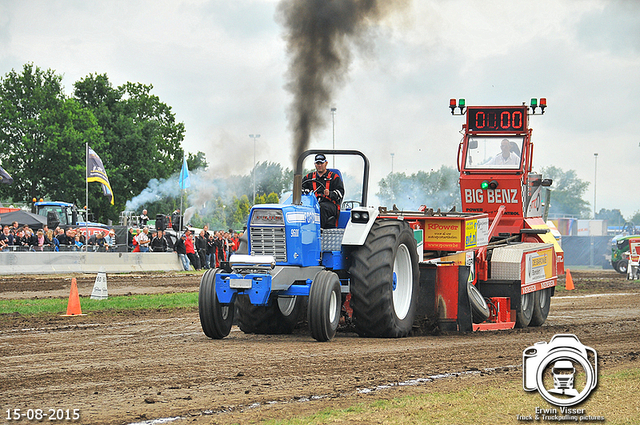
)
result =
(479, 308)
(542, 302)
(525, 312)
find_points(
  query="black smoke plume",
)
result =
(319, 36)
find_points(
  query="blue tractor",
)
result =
(290, 264)
(65, 215)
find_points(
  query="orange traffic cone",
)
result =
(73, 307)
(568, 285)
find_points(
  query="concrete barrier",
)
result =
(87, 262)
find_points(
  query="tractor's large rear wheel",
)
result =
(216, 319)
(384, 281)
(325, 304)
(279, 317)
(524, 313)
(542, 302)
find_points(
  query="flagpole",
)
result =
(86, 197)
(181, 198)
(183, 182)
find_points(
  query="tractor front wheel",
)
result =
(216, 319)
(621, 266)
(325, 304)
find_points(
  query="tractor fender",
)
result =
(355, 234)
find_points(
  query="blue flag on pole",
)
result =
(184, 181)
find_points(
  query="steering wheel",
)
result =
(315, 192)
(318, 188)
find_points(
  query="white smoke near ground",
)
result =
(212, 191)
(189, 213)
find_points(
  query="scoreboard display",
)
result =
(511, 119)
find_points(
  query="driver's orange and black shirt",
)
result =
(316, 183)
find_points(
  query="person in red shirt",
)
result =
(236, 241)
(191, 252)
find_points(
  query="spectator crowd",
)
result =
(16, 238)
(205, 250)
(202, 251)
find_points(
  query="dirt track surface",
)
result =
(131, 367)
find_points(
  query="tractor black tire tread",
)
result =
(621, 266)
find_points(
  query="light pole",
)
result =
(333, 120)
(595, 179)
(392, 163)
(254, 137)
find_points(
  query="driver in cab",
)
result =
(328, 188)
(506, 156)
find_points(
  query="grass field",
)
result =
(491, 401)
(44, 306)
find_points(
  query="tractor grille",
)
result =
(269, 241)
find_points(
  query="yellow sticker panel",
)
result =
(443, 234)
(538, 265)
(471, 234)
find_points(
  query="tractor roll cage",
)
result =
(297, 176)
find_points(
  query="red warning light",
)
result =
(452, 105)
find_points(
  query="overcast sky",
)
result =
(221, 66)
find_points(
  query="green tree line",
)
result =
(43, 133)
